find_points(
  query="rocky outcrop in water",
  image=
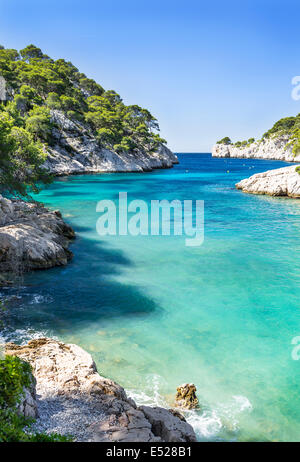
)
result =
(72, 398)
(186, 396)
(32, 237)
(273, 148)
(75, 150)
(279, 182)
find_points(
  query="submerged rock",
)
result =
(279, 182)
(32, 237)
(91, 407)
(186, 396)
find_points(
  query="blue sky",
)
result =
(204, 69)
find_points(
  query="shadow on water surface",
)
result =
(77, 296)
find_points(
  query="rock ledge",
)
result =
(73, 398)
(279, 182)
(32, 237)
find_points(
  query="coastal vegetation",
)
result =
(32, 85)
(226, 140)
(289, 126)
(15, 375)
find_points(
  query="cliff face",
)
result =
(73, 398)
(279, 182)
(75, 150)
(273, 148)
(83, 127)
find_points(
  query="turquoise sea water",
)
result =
(155, 313)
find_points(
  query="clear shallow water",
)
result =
(155, 313)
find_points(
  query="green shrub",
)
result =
(225, 140)
(282, 126)
(286, 126)
(14, 375)
(38, 123)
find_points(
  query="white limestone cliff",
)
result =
(75, 150)
(273, 148)
(279, 182)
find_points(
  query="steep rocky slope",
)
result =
(75, 150)
(82, 127)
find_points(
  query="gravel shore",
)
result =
(66, 416)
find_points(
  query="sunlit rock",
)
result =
(186, 396)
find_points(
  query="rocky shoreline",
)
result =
(68, 396)
(75, 150)
(273, 148)
(32, 237)
(279, 182)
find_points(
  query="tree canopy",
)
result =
(36, 85)
(225, 140)
(287, 126)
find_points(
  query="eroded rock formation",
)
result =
(75, 150)
(67, 377)
(279, 182)
(186, 396)
(32, 237)
(273, 148)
